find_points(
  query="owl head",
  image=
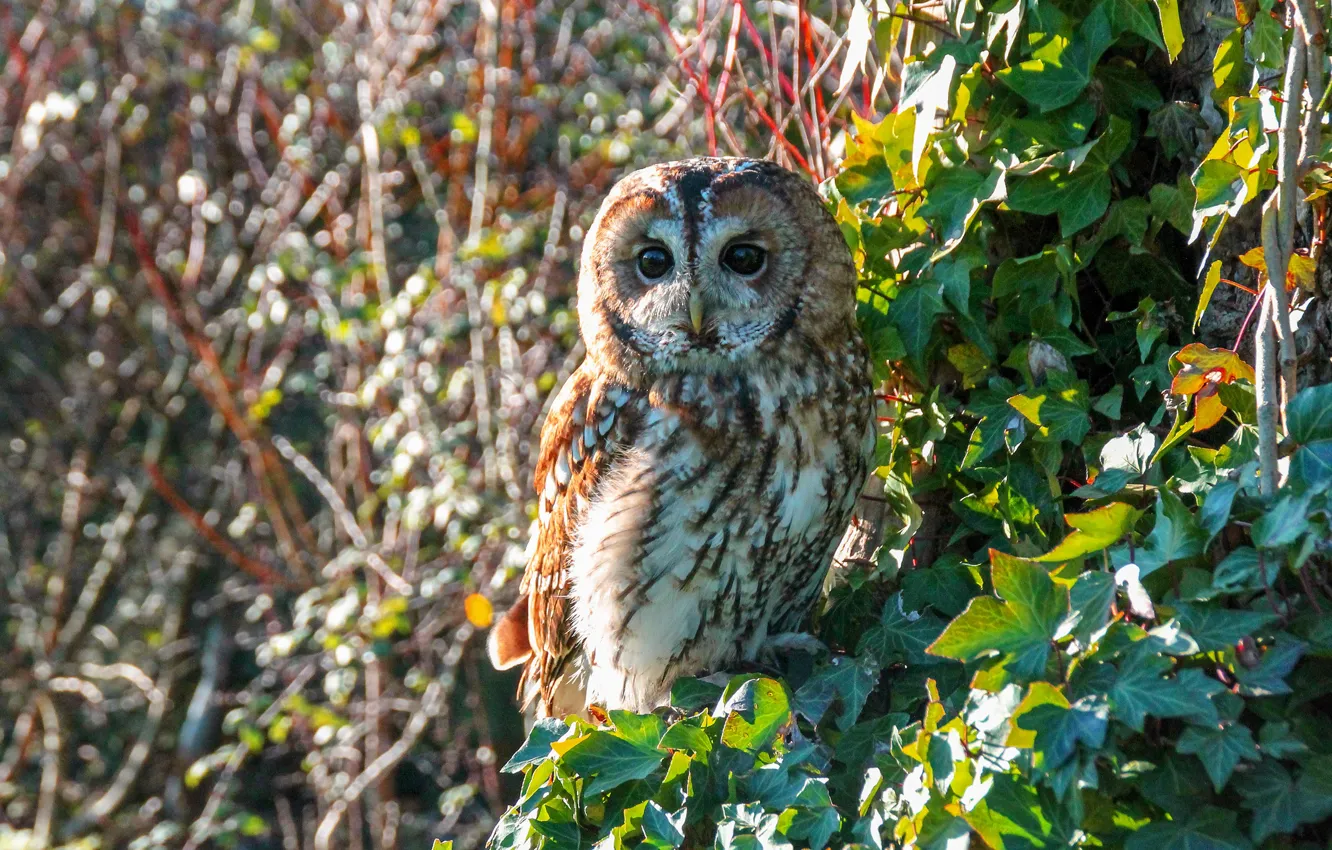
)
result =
(710, 265)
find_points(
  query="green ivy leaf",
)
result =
(1311, 466)
(1208, 828)
(1265, 43)
(1215, 512)
(1060, 729)
(1283, 523)
(1021, 627)
(605, 760)
(1135, 16)
(1090, 599)
(1062, 66)
(686, 736)
(897, 637)
(851, 679)
(1220, 749)
(1279, 803)
(691, 694)
(953, 199)
(662, 831)
(1309, 414)
(913, 314)
(1221, 188)
(642, 729)
(1215, 629)
(1175, 536)
(1140, 689)
(1062, 414)
(545, 732)
(1079, 198)
(1269, 677)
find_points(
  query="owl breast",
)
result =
(716, 526)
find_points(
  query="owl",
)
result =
(698, 470)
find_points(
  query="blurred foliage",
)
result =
(1090, 625)
(284, 288)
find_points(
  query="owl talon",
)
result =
(789, 642)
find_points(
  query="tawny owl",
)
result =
(698, 470)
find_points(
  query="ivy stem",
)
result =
(1276, 344)
(1266, 391)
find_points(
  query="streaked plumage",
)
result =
(698, 470)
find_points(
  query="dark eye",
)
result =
(654, 262)
(744, 259)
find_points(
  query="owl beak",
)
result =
(696, 310)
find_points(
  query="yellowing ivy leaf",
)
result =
(1093, 531)
(1209, 287)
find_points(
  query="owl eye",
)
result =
(654, 262)
(744, 259)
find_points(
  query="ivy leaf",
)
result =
(1230, 73)
(1311, 467)
(691, 694)
(898, 638)
(561, 832)
(1215, 512)
(1276, 739)
(1265, 43)
(1175, 536)
(1178, 785)
(1062, 66)
(913, 314)
(1220, 187)
(1062, 414)
(1215, 629)
(1279, 803)
(1220, 749)
(1176, 124)
(1209, 287)
(1170, 27)
(1269, 677)
(756, 712)
(660, 830)
(1089, 607)
(1208, 828)
(1134, 16)
(605, 760)
(1060, 729)
(851, 679)
(1020, 627)
(1309, 414)
(1093, 531)
(1283, 523)
(1079, 198)
(686, 736)
(642, 729)
(954, 198)
(1140, 690)
(544, 732)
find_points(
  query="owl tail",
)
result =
(508, 643)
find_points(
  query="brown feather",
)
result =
(508, 644)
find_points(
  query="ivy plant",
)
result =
(1089, 624)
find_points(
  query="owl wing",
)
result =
(588, 421)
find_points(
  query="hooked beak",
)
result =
(696, 310)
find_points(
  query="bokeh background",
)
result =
(285, 286)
